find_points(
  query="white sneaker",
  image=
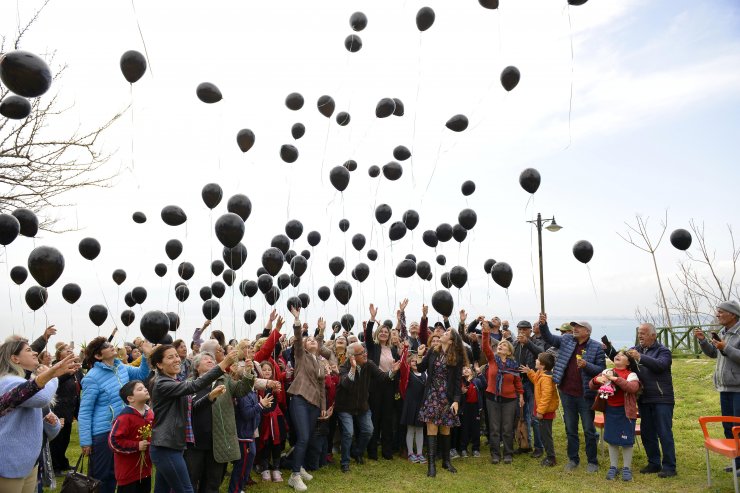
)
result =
(296, 482)
(277, 477)
(266, 475)
(305, 476)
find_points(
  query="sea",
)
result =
(620, 331)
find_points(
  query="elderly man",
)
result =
(725, 346)
(580, 358)
(351, 401)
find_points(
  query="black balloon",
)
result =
(128, 298)
(139, 217)
(9, 229)
(326, 105)
(442, 302)
(444, 232)
(281, 242)
(373, 171)
(24, 73)
(358, 21)
(339, 177)
(294, 229)
(36, 296)
(392, 171)
(457, 123)
(459, 233)
(489, 4)
(336, 265)
(288, 153)
(347, 321)
(411, 219)
(680, 239)
(529, 179)
(343, 225)
(235, 257)
(313, 238)
(173, 215)
(264, 283)
(19, 274)
(229, 277)
(71, 293)
(294, 101)
(182, 293)
(510, 77)
(250, 316)
(218, 289)
(288, 257)
(398, 111)
(324, 292)
(174, 321)
(411, 257)
(217, 267)
(212, 194)
(458, 276)
(173, 249)
(401, 153)
(15, 107)
(353, 43)
(248, 288)
(488, 265)
(385, 108)
(205, 293)
(502, 274)
(127, 317)
(240, 205)
(423, 269)
(245, 139)
(397, 231)
(468, 187)
(358, 241)
(298, 130)
(133, 65)
(583, 251)
(424, 18)
(306, 254)
(208, 93)
(28, 221)
(406, 268)
(119, 275)
(445, 280)
(210, 309)
(298, 265)
(372, 255)
(45, 265)
(350, 164)
(577, 2)
(361, 271)
(441, 259)
(272, 260)
(261, 271)
(294, 302)
(294, 280)
(98, 314)
(383, 213)
(343, 292)
(185, 270)
(272, 295)
(467, 218)
(305, 299)
(138, 294)
(429, 237)
(154, 326)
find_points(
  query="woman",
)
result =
(100, 404)
(170, 402)
(442, 393)
(504, 385)
(382, 391)
(307, 401)
(22, 429)
(66, 407)
(185, 363)
(45, 358)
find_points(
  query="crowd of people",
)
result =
(293, 400)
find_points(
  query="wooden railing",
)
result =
(680, 338)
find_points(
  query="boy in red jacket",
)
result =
(129, 439)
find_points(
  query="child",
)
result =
(411, 387)
(546, 402)
(248, 410)
(620, 411)
(272, 428)
(129, 439)
(471, 409)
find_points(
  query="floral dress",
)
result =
(436, 408)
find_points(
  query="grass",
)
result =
(696, 397)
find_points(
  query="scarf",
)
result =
(504, 367)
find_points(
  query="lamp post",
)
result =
(553, 227)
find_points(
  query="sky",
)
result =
(624, 108)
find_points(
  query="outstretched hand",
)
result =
(373, 312)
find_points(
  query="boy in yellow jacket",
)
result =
(546, 401)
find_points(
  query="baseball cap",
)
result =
(582, 324)
(565, 328)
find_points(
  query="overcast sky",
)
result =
(652, 126)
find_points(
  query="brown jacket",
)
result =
(308, 375)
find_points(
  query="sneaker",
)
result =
(266, 475)
(522, 451)
(668, 474)
(652, 468)
(571, 466)
(454, 454)
(464, 454)
(296, 482)
(507, 459)
(345, 467)
(414, 459)
(476, 453)
(591, 467)
(548, 462)
(422, 459)
(626, 474)
(305, 476)
(538, 452)
(611, 473)
(277, 477)
(495, 459)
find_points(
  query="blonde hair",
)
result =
(11, 348)
(508, 345)
(377, 333)
(259, 342)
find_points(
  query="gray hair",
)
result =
(198, 358)
(209, 346)
(352, 348)
(650, 327)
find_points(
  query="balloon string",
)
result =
(511, 314)
(434, 169)
(416, 106)
(323, 154)
(588, 269)
(572, 76)
(133, 133)
(141, 35)
(105, 300)
(7, 270)
(531, 262)
(169, 288)
(72, 327)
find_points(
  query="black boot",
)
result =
(431, 455)
(446, 462)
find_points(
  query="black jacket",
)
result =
(454, 376)
(67, 399)
(352, 395)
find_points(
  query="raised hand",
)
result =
(543, 318)
(280, 322)
(373, 312)
(463, 316)
(524, 369)
(424, 311)
(266, 401)
(273, 315)
(422, 349)
(353, 362)
(321, 324)
(146, 348)
(404, 304)
(50, 331)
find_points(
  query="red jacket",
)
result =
(512, 384)
(124, 440)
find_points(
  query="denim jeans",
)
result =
(101, 463)
(172, 472)
(729, 403)
(304, 416)
(533, 427)
(243, 466)
(656, 423)
(365, 426)
(573, 409)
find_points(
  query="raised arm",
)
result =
(369, 342)
(197, 334)
(424, 325)
(486, 343)
(269, 346)
(402, 329)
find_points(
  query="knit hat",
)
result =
(730, 306)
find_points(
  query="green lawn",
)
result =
(696, 397)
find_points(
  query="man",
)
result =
(725, 346)
(525, 353)
(579, 359)
(351, 403)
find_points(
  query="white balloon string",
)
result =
(141, 35)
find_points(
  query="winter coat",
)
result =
(248, 412)
(308, 373)
(130, 465)
(545, 393)
(727, 372)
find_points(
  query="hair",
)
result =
(209, 346)
(510, 346)
(259, 342)
(177, 343)
(128, 390)
(651, 328)
(547, 360)
(267, 362)
(219, 336)
(456, 351)
(632, 362)
(94, 347)
(197, 359)
(352, 348)
(192, 345)
(157, 356)
(377, 333)
(59, 348)
(7, 349)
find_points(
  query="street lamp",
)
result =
(553, 227)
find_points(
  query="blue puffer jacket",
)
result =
(566, 345)
(100, 402)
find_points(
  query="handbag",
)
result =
(77, 482)
(521, 435)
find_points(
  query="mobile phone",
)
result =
(715, 336)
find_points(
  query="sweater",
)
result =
(100, 401)
(546, 398)
(17, 395)
(727, 371)
(308, 375)
(129, 464)
(21, 431)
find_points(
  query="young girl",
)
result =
(273, 427)
(411, 387)
(470, 431)
(620, 413)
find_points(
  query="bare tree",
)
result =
(40, 158)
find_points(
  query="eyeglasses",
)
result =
(106, 345)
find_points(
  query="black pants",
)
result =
(470, 426)
(546, 434)
(58, 447)
(205, 473)
(381, 407)
(271, 455)
(141, 486)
